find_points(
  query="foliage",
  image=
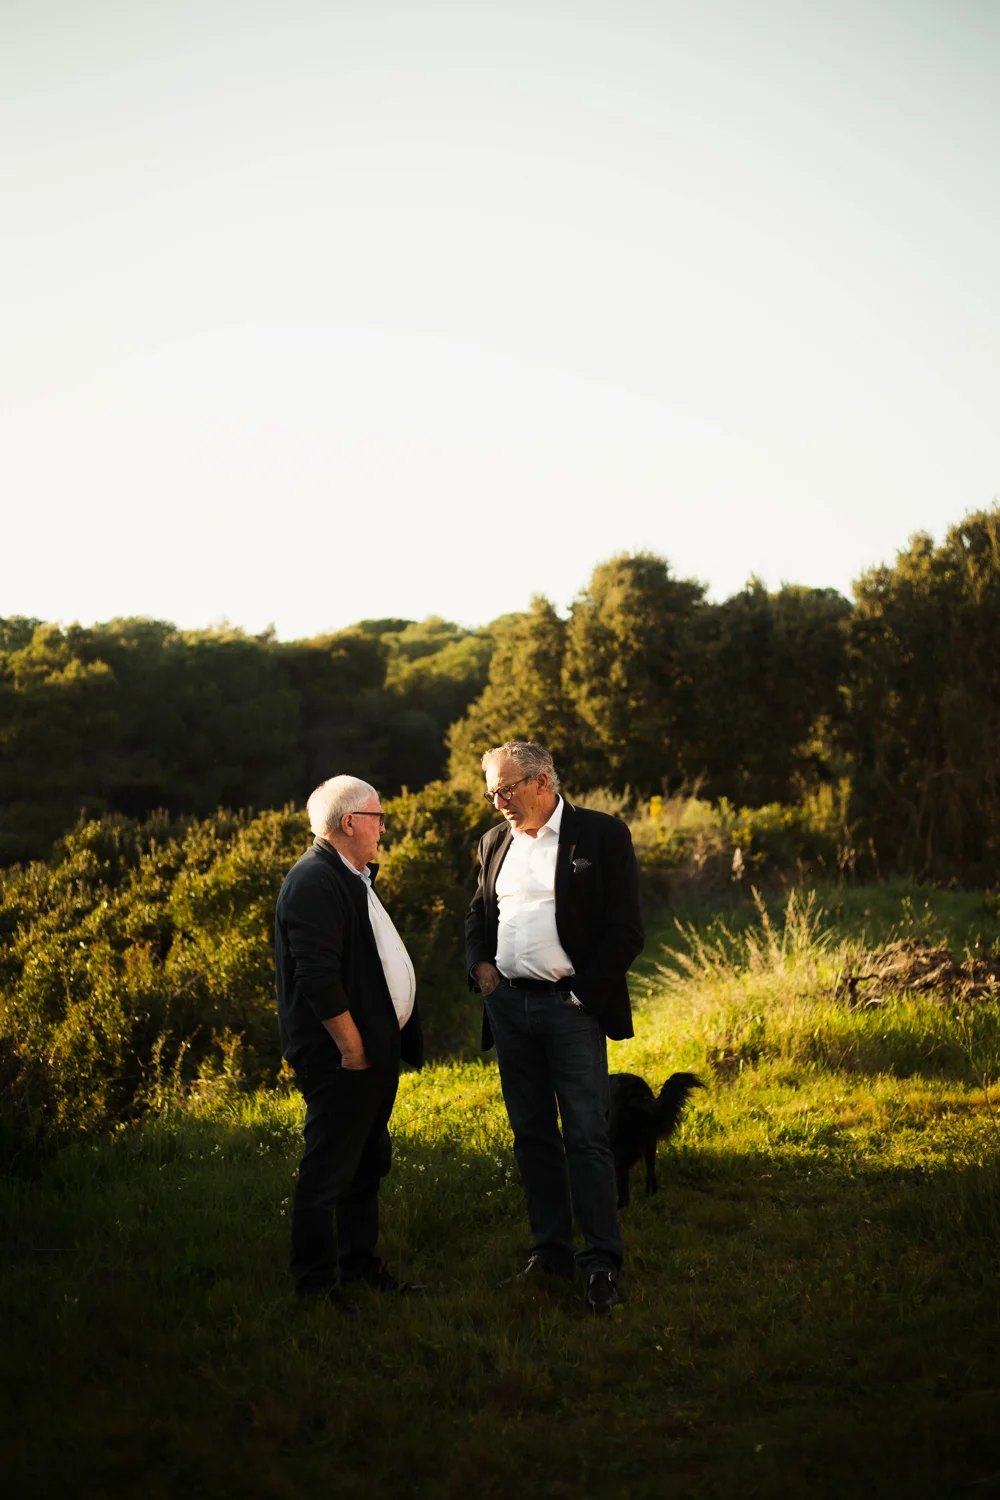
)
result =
(523, 699)
(763, 701)
(141, 946)
(626, 670)
(811, 1296)
(427, 874)
(687, 846)
(768, 670)
(142, 953)
(647, 686)
(135, 715)
(924, 703)
(879, 723)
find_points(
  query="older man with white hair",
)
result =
(347, 1016)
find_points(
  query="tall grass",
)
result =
(772, 992)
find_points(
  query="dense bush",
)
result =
(689, 848)
(139, 961)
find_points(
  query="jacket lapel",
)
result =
(564, 855)
(496, 860)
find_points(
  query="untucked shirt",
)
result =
(396, 965)
(528, 945)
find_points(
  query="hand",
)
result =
(348, 1040)
(487, 976)
(354, 1062)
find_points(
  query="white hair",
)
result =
(330, 801)
(532, 759)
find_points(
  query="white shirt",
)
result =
(528, 945)
(396, 965)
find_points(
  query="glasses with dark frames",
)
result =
(505, 792)
(362, 814)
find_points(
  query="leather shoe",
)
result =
(537, 1267)
(602, 1292)
(382, 1279)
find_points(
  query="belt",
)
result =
(542, 986)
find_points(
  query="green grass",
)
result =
(812, 1297)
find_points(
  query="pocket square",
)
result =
(580, 864)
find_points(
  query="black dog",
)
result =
(638, 1120)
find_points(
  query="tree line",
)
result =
(646, 686)
(134, 715)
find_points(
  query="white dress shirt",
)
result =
(396, 965)
(528, 945)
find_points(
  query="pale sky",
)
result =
(314, 311)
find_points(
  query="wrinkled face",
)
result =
(530, 802)
(364, 829)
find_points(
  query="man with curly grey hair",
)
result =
(346, 1015)
(550, 935)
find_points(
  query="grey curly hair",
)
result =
(531, 758)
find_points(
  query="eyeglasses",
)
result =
(504, 792)
(362, 814)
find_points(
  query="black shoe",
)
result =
(536, 1268)
(382, 1279)
(602, 1292)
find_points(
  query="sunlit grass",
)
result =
(812, 1295)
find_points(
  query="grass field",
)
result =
(812, 1298)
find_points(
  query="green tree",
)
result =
(436, 669)
(133, 715)
(524, 697)
(338, 680)
(627, 675)
(924, 701)
(60, 732)
(768, 671)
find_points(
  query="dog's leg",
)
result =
(621, 1174)
(649, 1151)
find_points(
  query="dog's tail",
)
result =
(671, 1100)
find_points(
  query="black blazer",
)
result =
(326, 962)
(597, 911)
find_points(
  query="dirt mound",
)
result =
(914, 965)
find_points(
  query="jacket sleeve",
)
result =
(316, 928)
(476, 951)
(622, 936)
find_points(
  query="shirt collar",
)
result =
(362, 874)
(552, 826)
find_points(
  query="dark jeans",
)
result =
(347, 1153)
(550, 1050)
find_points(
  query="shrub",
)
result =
(688, 847)
(139, 964)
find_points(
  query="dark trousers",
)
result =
(551, 1051)
(347, 1153)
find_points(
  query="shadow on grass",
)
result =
(794, 1317)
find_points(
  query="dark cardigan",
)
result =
(326, 962)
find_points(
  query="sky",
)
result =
(316, 311)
